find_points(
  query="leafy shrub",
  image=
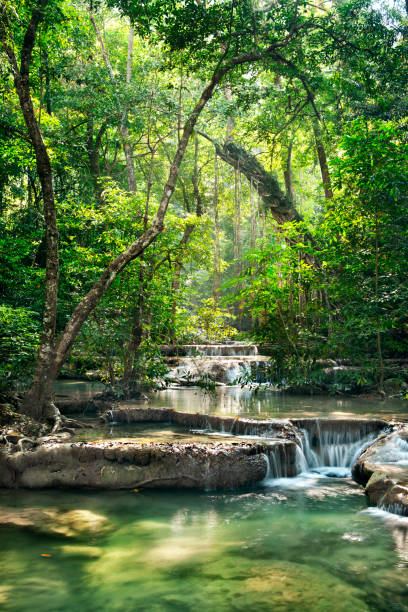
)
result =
(19, 340)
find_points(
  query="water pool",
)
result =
(312, 546)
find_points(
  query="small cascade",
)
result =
(228, 364)
(276, 464)
(219, 350)
(325, 448)
(112, 417)
(325, 445)
(395, 452)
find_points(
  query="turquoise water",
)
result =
(308, 544)
(312, 548)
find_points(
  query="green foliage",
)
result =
(19, 340)
(337, 309)
(210, 323)
(330, 286)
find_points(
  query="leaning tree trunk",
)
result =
(275, 200)
(324, 167)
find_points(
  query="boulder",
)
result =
(377, 486)
(70, 524)
(395, 499)
(382, 469)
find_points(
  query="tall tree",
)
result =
(54, 351)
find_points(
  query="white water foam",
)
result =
(323, 453)
(387, 516)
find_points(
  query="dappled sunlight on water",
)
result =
(266, 548)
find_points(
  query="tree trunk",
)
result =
(93, 145)
(324, 168)
(377, 316)
(188, 230)
(237, 242)
(275, 200)
(217, 255)
(47, 83)
(288, 174)
(136, 334)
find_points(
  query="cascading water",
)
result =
(276, 464)
(331, 451)
(112, 417)
(220, 350)
(227, 364)
(326, 449)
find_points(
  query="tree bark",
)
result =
(324, 168)
(275, 200)
(288, 174)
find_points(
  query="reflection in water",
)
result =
(77, 389)
(266, 403)
(398, 526)
(261, 403)
(305, 543)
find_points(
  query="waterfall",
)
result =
(228, 364)
(326, 447)
(112, 417)
(276, 465)
(219, 350)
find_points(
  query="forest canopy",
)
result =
(180, 172)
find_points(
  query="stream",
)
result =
(307, 543)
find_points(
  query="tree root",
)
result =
(62, 423)
(25, 441)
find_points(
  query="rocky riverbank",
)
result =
(127, 465)
(59, 460)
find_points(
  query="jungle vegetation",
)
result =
(178, 171)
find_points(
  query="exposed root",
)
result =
(75, 424)
(53, 414)
(25, 443)
(62, 423)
